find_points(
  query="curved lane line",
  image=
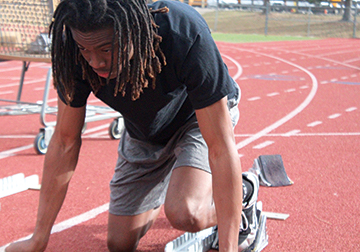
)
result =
(289, 116)
(239, 72)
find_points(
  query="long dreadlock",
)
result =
(133, 23)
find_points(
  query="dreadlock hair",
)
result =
(132, 22)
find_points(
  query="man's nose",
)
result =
(96, 62)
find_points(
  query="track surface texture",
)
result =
(300, 99)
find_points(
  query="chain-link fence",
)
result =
(284, 20)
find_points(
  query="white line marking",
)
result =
(333, 116)
(304, 87)
(70, 222)
(290, 90)
(88, 131)
(289, 116)
(25, 83)
(99, 134)
(254, 98)
(263, 145)
(291, 133)
(17, 136)
(6, 92)
(239, 72)
(350, 109)
(20, 67)
(313, 124)
(324, 82)
(9, 153)
(272, 94)
(305, 134)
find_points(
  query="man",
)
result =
(159, 67)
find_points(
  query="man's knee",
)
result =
(119, 244)
(186, 217)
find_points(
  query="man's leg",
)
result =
(124, 232)
(189, 205)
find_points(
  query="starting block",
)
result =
(271, 171)
(18, 183)
(201, 241)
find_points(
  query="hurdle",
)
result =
(24, 27)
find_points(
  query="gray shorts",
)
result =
(143, 170)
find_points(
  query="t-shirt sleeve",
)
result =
(204, 73)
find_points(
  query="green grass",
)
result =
(241, 26)
(248, 38)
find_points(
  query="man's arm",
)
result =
(216, 128)
(60, 162)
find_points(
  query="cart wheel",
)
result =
(114, 130)
(39, 143)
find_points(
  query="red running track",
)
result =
(300, 99)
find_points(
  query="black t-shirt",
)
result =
(195, 77)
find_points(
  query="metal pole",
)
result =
(22, 78)
(354, 26)
(308, 25)
(267, 18)
(216, 15)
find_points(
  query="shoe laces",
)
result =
(245, 222)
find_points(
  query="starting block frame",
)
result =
(201, 241)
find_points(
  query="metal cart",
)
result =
(24, 37)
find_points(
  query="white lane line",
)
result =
(272, 94)
(99, 134)
(290, 90)
(333, 116)
(304, 134)
(9, 153)
(291, 133)
(6, 92)
(313, 124)
(20, 67)
(254, 98)
(25, 83)
(239, 72)
(71, 222)
(289, 116)
(351, 109)
(88, 131)
(263, 145)
(17, 136)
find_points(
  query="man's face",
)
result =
(96, 48)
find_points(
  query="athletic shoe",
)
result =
(250, 223)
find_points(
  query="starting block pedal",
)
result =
(18, 183)
(201, 241)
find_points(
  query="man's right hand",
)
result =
(26, 246)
